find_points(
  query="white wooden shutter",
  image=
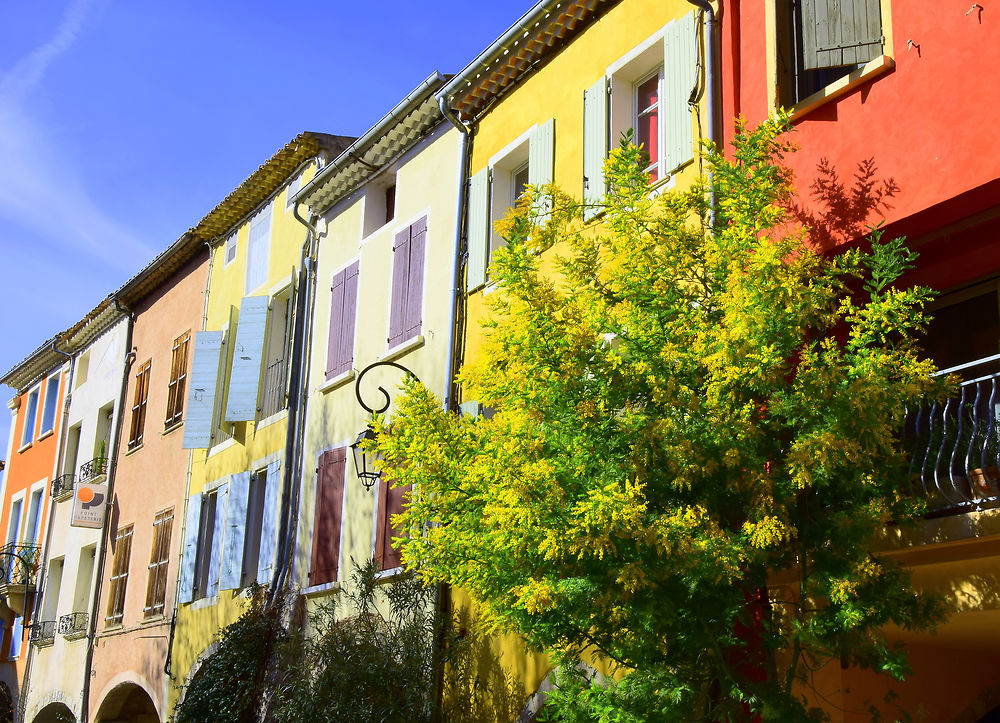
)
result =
(218, 539)
(258, 249)
(269, 526)
(191, 529)
(478, 231)
(680, 61)
(244, 381)
(236, 529)
(541, 160)
(595, 145)
(202, 386)
(840, 32)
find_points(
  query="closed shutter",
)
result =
(343, 312)
(269, 526)
(478, 231)
(218, 539)
(236, 521)
(202, 387)
(595, 145)
(248, 352)
(541, 161)
(390, 503)
(191, 529)
(680, 41)
(400, 276)
(325, 563)
(413, 314)
(258, 249)
(840, 32)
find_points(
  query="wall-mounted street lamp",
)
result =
(369, 476)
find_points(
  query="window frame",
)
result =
(140, 400)
(177, 384)
(655, 166)
(230, 250)
(31, 419)
(51, 393)
(118, 580)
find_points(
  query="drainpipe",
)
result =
(297, 397)
(106, 527)
(43, 566)
(711, 80)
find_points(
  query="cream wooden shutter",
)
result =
(541, 162)
(595, 145)
(478, 230)
(679, 65)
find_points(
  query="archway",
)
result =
(54, 713)
(127, 703)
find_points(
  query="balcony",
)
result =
(954, 446)
(95, 471)
(62, 487)
(43, 633)
(273, 400)
(73, 626)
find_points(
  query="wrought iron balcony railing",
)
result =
(94, 471)
(42, 633)
(273, 400)
(73, 625)
(62, 487)
(955, 445)
(19, 564)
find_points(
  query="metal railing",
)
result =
(955, 445)
(43, 633)
(19, 564)
(94, 469)
(73, 625)
(62, 486)
(273, 398)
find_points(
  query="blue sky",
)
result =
(122, 123)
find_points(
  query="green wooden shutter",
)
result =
(839, 32)
(595, 144)
(680, 60)
(478, 231)
(541, 161)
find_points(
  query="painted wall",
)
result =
(149, 479)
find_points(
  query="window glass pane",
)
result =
(29, 418)
(647, 121)
(51, 397)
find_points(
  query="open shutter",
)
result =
(244, 381)
(400, 276)
(191, 529)
(595, 144)
(541, 160)
(333, 352)
(325, 563)
(390, 503)
(680, 41)
(840, 32)
(218, 539)
(269, 527)
(413, 313)
(478, 232)
(236, 529)
(202, 387)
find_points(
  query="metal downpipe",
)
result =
(711, 82)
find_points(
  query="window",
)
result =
(139, 406)
(819, 42)
(380, 202)
(28, 432)
(324, 564)
(390, 502)
(230, 254)
(647, 125)
(50, 604)
(51, 400)
(343, 314)
(84, 577)
(14, 523)
(293, 187)
(159, 557)
(16, 637)
(965, 327)
(33, 525)
(119, 576)
(213, 515)
(258, 249)
(82, 368)
(407, 283)
(178, 379)
(254, 523)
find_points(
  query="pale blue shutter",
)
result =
(478, 231)
(236, 530)
(191, 530)
(218, 538)
(595, 145)
(269, 526)
(679, 65)
(840, 32)
(541, 160)
(244, 380)
(202, 386)
(258, 249)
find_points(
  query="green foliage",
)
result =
(695, 438)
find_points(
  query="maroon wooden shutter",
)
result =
(350, 314)
(415, 285)
(324, 566)
(400, 277)
(333, 354)
(390, 503)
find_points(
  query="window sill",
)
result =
(338, 381)
(205, 602)
(273, 419)
(402, 349)
(871, 70)
(24, 447)
(221, 447)
(153, 620)
(44, 435)
(386, 576)
(112, 628)
(323, 588)
(172, 427)
(133, 450)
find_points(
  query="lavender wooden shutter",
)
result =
(333, 349)
(350, 315)
(415, 283)
(325, 564)
(400, 276)
(390, 503)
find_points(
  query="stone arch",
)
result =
(536, 702)
(57, 712)
(127, 702)
(49, 703)
(195, 668)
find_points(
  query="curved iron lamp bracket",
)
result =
(385, 394)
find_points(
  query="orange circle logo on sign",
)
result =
(85, 494)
